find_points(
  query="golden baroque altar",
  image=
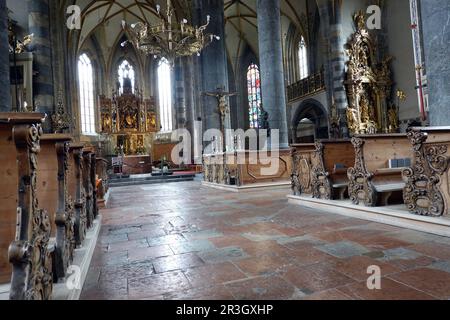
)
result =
(130, 121)
(368, 84)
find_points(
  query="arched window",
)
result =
(87, 105)
(303, 59)
(254, 95)
(165, 96)
(126, 70)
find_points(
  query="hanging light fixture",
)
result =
(167, 38)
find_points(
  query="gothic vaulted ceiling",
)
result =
(103, 19)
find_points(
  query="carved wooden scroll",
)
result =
(80, 201)
(360, 187)
(295, 181)
(65, 215)
(422, 194)
(88, 189)
(321, 185)
(29, 253)
(94, 185)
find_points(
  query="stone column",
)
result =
(271, 60)
(39, 25)
(5, 93)
(436, 40)
(179, 94)
(335, 66)
(213, 59)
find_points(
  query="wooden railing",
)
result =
(306, 87)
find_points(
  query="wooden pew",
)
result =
(25, 229)
(76, 191)
(89, 185)
(301, 176)
(102, 175)
(94, 185)
(53, 196)
(427, 180)
(330, 163)
(371, 180)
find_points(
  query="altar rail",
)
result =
(46, 183)
(307, 86)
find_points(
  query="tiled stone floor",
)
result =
(185, 241)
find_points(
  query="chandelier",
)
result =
(167, 38)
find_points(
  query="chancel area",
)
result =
(224, 150)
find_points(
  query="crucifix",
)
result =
(223, 107)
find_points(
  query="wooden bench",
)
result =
(102, 177)
(25, 229)
(76, 191)
(371, 181)
(427, 181)
(330, 163)
(301, 176)
(53, 196)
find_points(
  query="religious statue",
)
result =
(223, 107)
(393, 119)
(264, 124)
(106, 123)
(335, 121)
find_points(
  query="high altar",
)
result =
(130, 121)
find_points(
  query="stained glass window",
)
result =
(254, 95)
(126, 70)
(303, 59)
(87, 105)
(165, 96)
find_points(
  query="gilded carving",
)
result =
(368, 83)
(421, 194)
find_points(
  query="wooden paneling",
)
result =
(161, 150)
(47, 180)
(8, 199)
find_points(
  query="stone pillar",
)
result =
(271, 60)
(39, 25)
(436, 40)
(5, 93)
(214, 70)
(179, 94)
(189, 94)
(335, 66)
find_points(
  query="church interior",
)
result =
(224, 150)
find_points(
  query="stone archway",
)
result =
(310, 122)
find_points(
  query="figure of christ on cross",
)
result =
(223, 107)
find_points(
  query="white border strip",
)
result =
(250, 187)
(387, 215)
